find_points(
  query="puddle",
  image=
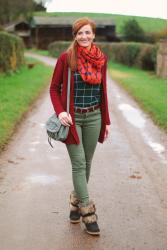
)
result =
(35, 142)
(118, 96)
(32, 149)
(42, 125)
(54, 157)
(133, 115)
(43, 179)
(156, 147)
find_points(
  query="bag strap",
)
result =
(68, 90)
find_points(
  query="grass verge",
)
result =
(18, 92)
(148, 90)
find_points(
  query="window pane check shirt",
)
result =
(85, 94)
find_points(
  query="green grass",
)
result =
(40, 52)
(147, 23)
(148, 90)
(18, 92)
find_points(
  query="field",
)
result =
(147, 23)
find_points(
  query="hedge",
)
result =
(141, 55)
(11, 52)
(56, 48)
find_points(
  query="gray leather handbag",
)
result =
(54, 128)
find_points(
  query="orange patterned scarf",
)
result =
(89, 64)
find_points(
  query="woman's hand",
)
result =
(65, 119)
(106, 132)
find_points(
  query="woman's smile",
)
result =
(85, 36)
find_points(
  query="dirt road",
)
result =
(128, 183)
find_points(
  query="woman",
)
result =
(88, 120)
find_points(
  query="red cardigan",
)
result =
(59, 98)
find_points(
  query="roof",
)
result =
(11, 27)
(67, 21)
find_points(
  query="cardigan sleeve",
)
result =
(108, 122)
(55, 87)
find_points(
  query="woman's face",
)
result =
(85, 36)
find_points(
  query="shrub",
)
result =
(132, 31)
(11, 52)
(56, 48)
(141, 55)
(149, 38)
(125, 52)
(147, 57)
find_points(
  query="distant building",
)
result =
(22, 29)
(44, 30)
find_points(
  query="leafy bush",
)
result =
(147, 57)
(11, 52)
(141, 55)
(57, 47)
(149, 38)
(132, 31)
(125, 53)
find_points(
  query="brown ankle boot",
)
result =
(89, 218)
(74, 209)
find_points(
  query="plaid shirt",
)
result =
(85, 94)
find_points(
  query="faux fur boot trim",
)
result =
(89, 219)
(90, 208)
(74, 202)
(88, 213)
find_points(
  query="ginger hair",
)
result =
(71, 51)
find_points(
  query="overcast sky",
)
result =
(149, 8)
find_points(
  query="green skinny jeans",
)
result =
(88, 126)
